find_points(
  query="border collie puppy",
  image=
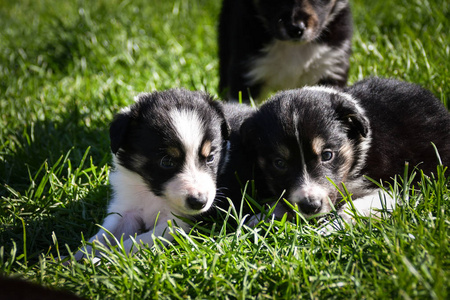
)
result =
(270, 45)
(168, 149)
(304, 138)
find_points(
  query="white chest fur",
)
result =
(286, 65)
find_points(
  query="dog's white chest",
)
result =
(286, 65)
(131, 194)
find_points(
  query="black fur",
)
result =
(146, 130)
(172, 152)
(405, 119)
(248, 26)
(238, 169)
(372, 130)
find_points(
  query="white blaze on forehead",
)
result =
(189, 129)
(192, 181)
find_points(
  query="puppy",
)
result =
(304, 138)
(168, 149)
(270, 45)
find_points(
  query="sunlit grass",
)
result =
(66, 67)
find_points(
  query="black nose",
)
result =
(296, 30)
(310, 205)
(288, 29)
(196, 203)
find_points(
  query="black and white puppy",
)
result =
(168, 149)
(304, 138)
(270, 45)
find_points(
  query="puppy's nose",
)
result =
(196, 203)
(310, 205)
(296, 29)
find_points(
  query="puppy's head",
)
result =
(299, 20)
(175, 141)
(302, 138)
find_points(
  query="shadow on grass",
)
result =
(67, 223)
(46, 141)
(53, 180)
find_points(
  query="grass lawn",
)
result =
(66, 67)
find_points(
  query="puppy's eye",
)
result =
(210, 159)
(280, 164)
(167, 162)
(327, 155)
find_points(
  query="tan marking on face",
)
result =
(174, 152)
(312, 19)
(206, 149)
(317, 145)
(347, 152)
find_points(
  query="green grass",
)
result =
(66, 67)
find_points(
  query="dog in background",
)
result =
(270, 45)
(169, 150)
(301, 139)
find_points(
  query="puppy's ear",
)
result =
(224, 126)
(118, 129)
(352, 117)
